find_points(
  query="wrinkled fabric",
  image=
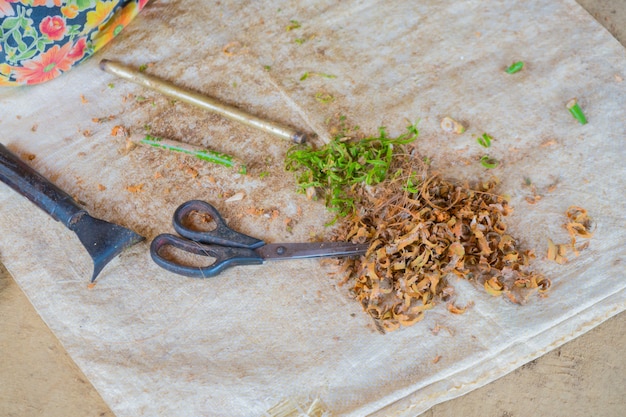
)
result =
(156, 344)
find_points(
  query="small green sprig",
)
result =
(195, 151)
(484, 140)
(515, 67)
(319, 74)
(576, 111)
(293, 24)
(489, 162)
(324, 98)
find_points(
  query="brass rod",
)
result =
(200, 100)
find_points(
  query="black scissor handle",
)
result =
(222, 235)
(225, 257)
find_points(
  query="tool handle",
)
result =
(221, 235)
(222, 257)
(25, 180)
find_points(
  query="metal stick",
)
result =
(200, 100)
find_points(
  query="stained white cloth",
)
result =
(154, 343)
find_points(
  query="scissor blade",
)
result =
(311, 250)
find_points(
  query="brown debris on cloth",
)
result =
(234, 48)
(579, 225)
(135, 188)
(421, 236)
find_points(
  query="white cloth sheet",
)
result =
(153, 343)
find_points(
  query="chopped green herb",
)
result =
(576, 111)
(140, 98)
(324, 98)
(293, 24)
(484, 140)
(300, 41)
(412, 184)
(267, 67)
(515, 67)
(488, 162)
(110, 85)
(319, 74)
(336, 167)
(143, 67)
(264, 174)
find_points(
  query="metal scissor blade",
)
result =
(274, 251)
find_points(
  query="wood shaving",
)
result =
(422, 235)
(117, 130)
(535, 197)
(236, 197)
(134, 188)
(457, 310)
(450, 125)
(234, 48)
(192, 172)
(548, 143)
(255, 211)
(579, 225)
(438, 328)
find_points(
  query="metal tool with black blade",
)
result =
(102, 240)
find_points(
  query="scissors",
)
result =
(230, 248)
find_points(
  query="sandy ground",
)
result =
(584, 377)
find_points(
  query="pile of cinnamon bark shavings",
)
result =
(425, 230)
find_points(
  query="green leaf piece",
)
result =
(484, 140)
(489, 162)
(515, 67)
(576, 111)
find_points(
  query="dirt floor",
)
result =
(586, 376)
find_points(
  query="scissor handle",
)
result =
(222, 235)
(225, 257)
